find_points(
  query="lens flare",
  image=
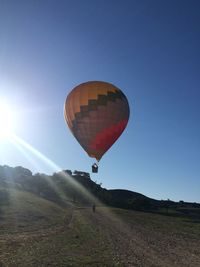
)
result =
(6, 119)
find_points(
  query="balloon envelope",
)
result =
(97, 114)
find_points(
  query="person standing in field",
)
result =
(93, 207)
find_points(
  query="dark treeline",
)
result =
(60, 189)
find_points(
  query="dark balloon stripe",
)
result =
(94, 103)
(93, 127)
(103, 99)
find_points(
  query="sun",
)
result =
(6, 120)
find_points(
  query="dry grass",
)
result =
(36, 232)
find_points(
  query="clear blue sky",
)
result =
(149, 49)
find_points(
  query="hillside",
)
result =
(48, 221)
(77, 188)
(21, 210)
(106, 238)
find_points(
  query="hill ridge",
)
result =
(63, 188)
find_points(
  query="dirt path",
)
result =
(104, 239)
(146, 245)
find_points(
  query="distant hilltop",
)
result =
(62, 187)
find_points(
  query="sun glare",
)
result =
(6, 119)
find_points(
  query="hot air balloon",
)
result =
(97, 113)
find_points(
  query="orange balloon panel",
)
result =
(97, 114)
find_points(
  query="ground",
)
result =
(108, 237)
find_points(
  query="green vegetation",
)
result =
(38, 232)
(48, 221)
(24, 210)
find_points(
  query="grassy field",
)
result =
(37, 232)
